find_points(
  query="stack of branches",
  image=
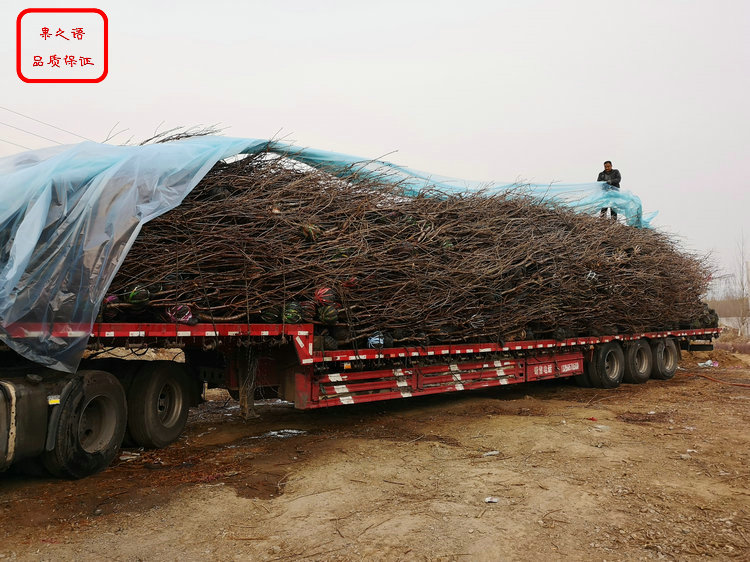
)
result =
(261, 240)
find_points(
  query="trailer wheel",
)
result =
(584, 379)
(608, 366)
(638, 362)
(158, 403)
(666, 357)
(93, 415)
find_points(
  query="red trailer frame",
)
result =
(353, 376)
(152, 397)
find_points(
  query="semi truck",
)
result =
(70, 216)
(75, 423)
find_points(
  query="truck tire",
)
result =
(665, 360)
(584, 379)
(124, 371)
(158, 404)
(608, 366)
(93, 415)
(638, 362)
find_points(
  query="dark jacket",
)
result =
(612, 177)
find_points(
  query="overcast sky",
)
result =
(539, 91)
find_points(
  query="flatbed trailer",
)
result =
(76, 423)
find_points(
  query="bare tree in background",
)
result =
(740, 297)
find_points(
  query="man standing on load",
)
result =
(612, 177)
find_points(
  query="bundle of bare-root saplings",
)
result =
(262, 241)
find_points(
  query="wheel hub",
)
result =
(168, 405)
(97, 424)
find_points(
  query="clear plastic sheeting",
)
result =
(588, 198)
(69, 215)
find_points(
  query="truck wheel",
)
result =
(584, 379)
(158, 403)
(608, 366)
(666, 357)
(638, 361)
(92, 422)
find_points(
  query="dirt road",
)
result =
(541, 471)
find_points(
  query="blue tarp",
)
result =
(70, 214)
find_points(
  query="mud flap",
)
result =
(7, 425)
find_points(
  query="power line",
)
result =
(48, 124)
(29, 132)
(15, 143)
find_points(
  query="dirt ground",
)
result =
(539, 471)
